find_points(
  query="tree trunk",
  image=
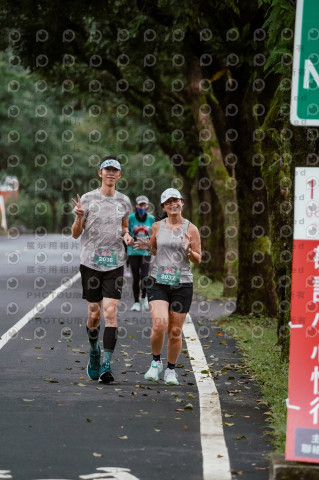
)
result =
(256, 286)
(218, 174)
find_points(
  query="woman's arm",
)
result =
(150, 243)
(192, 244)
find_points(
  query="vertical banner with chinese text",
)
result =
(302, 443)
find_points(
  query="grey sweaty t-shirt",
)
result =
(102, 245)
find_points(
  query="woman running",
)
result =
(174, 242)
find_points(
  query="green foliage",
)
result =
(52, 171)
(279, 25)
(29, 214)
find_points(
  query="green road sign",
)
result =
(305, 75)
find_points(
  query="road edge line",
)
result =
(216, 465)
(12, 332)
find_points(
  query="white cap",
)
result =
(142, 199)
(111, 162)
(170, 193)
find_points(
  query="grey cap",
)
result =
(170, 193)
(142, 199)
(111, 162)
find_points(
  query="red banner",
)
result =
(302, 443)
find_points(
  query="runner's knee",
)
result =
(174, 333)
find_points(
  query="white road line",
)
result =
(11, 333)
(5, 474)
(216, 464)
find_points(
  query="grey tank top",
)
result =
(170, 252)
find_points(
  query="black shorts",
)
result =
(98, 285)
(179, 298)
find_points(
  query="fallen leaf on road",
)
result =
(50, 380)
(233, 392)
(242, 437)
(228, 424)
(97, 454)
(179, 410)
(156, 430)
(28, 399)
(124, 437)
(189, 406)
(89, 420)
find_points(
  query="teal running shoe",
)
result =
(106, 375)
(93, 368)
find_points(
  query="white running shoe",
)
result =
(145, 305)
(127, 272)
(170, 377)
(136, 306)
(153, 372)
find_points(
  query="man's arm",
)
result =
(128, 240)
(78, 223)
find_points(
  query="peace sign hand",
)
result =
(186, 242)
(78, 210)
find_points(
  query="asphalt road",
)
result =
(56, 423)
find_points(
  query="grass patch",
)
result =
(205, 287)
(257, 338)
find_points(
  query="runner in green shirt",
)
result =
(139, 224)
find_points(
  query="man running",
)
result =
(102, 220)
